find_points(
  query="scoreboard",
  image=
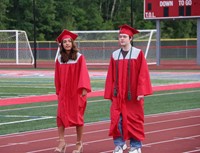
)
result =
(165, 9)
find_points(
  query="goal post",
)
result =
(97, 46)
(15, 48)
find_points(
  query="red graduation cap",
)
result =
(126, 29)
(66, 34)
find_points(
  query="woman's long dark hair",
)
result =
(72, 55)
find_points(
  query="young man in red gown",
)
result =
(127, 83)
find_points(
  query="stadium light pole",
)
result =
(34, 35)
(132, 18)
(131, 13)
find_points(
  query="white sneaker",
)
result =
(124, 147)
(135, 150)
(118, 149)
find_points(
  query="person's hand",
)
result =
(140, 97)
(84, 92)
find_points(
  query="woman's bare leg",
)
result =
(61, 145)
(79, 132)
(79, 145)
(61, 132)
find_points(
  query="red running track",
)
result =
(175, 132)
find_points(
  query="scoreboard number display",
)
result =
(164, 9)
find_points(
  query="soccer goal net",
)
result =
(97, 46)
(15, 48)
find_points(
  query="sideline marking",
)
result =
(22, 121)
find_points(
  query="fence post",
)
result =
(186, 41)
(158, 42)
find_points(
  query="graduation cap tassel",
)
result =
(129, 95)
(115, 92)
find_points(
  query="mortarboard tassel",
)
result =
(129, 95)
(115, 92)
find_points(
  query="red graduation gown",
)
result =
(70, 79)
(132, 110)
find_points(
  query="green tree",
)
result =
(20, 16)
(45, 19)
(179, 28)
(52, 16)
(3, 15)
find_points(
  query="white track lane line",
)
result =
(52, 138)
(106, 130)
(192, 151)
(47, 130)
(100, 122)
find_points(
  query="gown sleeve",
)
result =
(57, 77)
(84, 79)
(108, 92)
(144, 83)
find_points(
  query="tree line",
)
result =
(52, 16)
